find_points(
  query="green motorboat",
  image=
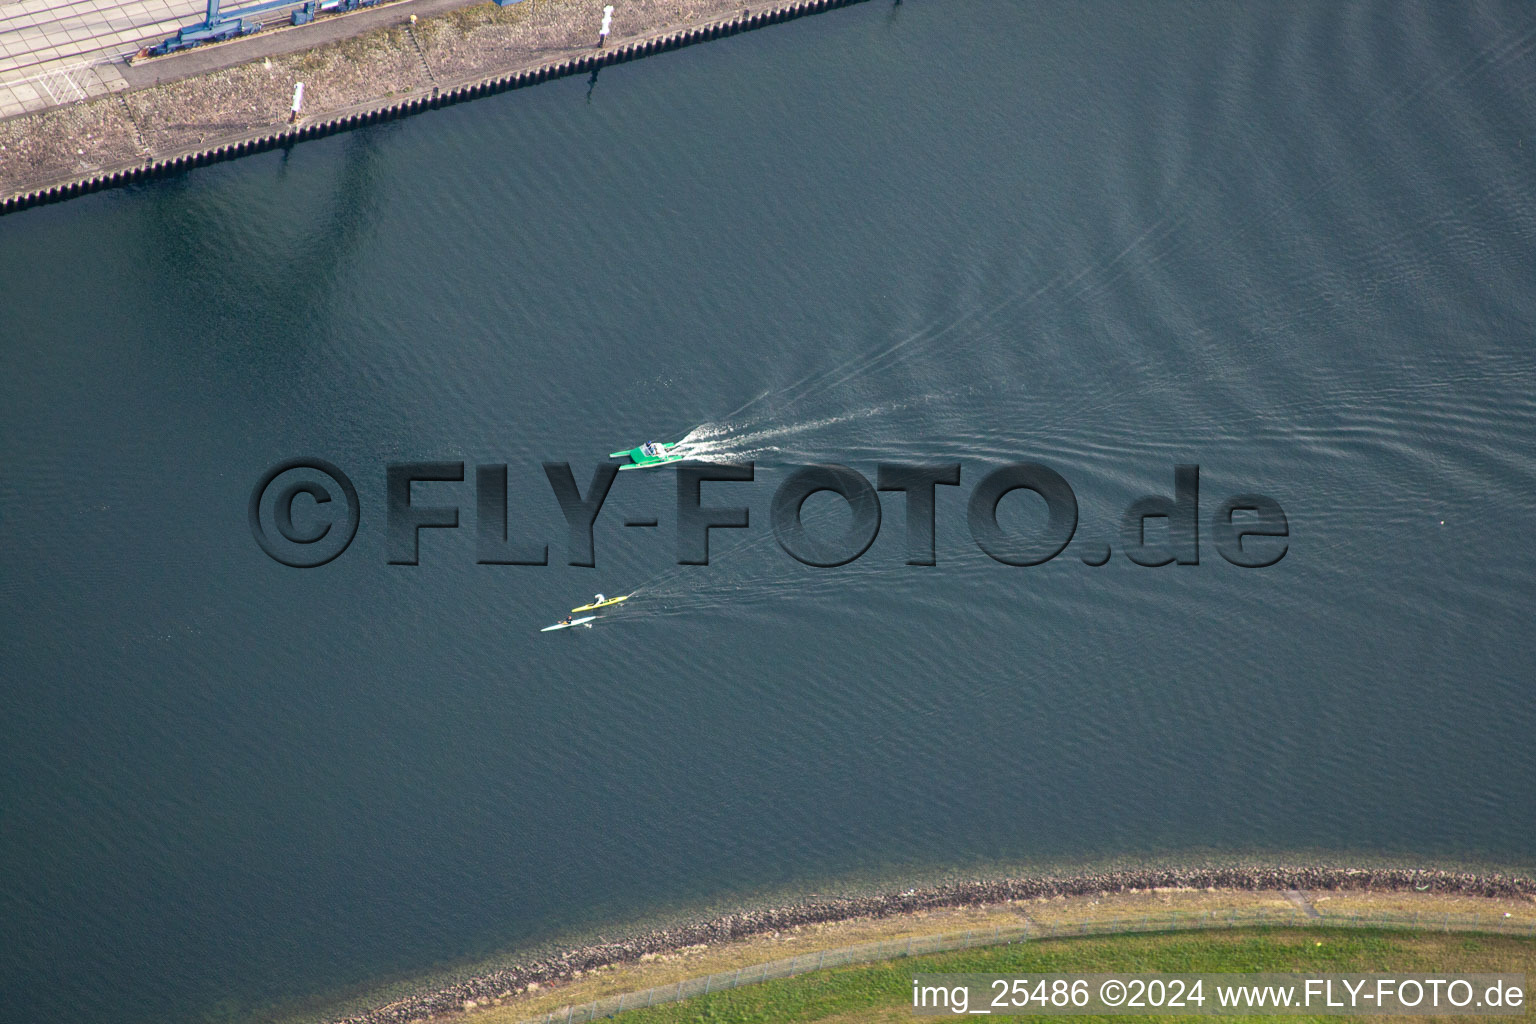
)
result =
(652, 453)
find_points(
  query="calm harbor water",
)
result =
(1291, 243)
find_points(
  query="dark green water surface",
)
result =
(1292, 243)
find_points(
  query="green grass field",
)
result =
(882, 992)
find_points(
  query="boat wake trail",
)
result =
(757, 440)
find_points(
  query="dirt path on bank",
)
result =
(1048, 906)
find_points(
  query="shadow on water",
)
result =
(273, 251)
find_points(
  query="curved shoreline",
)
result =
(821, 910)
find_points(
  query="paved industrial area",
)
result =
(59, 51)
(393, 59)
(54, 52)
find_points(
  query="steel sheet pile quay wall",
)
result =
(470, 85)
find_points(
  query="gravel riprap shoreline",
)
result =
(382, 73)
(820, 910)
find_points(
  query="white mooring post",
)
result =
(298, 102)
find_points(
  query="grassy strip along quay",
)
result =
(883, 992)
(382, 74)
(664, 956)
